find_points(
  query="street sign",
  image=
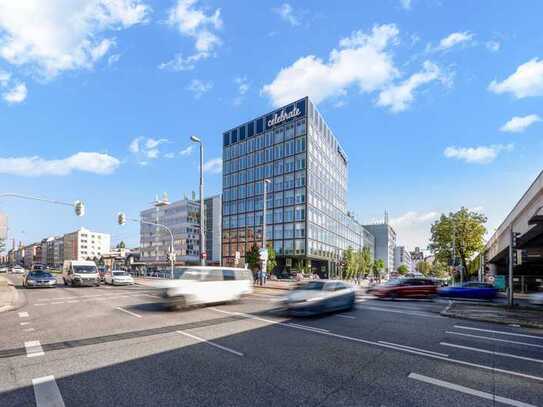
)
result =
(263, 253)
(499, 282)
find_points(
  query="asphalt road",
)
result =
(113, 346)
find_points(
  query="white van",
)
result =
(80, 272)
(205, 285)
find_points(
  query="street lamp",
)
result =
(266, 182)
(203, 253)
(121, 220)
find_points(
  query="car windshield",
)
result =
(188, 273)
(84, 269)
(120, 273)
(396, 281)
(313, 285)
(40, 274)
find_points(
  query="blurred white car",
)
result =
(17, 270)
(536, 298)
(118, 277)
(204, 285)
(320, 296)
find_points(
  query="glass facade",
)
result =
(306, 204)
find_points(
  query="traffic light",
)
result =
(79, 208)
(121, 218)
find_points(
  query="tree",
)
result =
(272, 261)
(465, 228)
(349, 259)
(440, 269)
(424, 268)
(366, 261)
(252, 257)
(378, 266)
(121, 245)
(402, 269)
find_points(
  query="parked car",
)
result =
(80, 273)
(320, 296)
(406, 288)
(204, 285)
(471, 290)
(536, 298)
(4, 269)
(17, 270)
(39, 279)
(118, 277)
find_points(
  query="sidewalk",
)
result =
(526, 317)
(8, 295)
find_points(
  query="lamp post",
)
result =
(121, 220)
(203, 252)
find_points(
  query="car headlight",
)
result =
(30, 281)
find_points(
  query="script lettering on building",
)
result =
(283, 116)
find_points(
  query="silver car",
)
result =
(320, 296)
(39, 279)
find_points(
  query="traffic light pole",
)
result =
(78, 206)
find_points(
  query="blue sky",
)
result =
(437, 103)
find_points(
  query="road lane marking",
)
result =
(39, 305)
(72, 301)
(498, 332)
(414, 313)
(491, 352)
(367, 342)
(29, 329)
(494, 339)
(24, 323)
(308, 327)
(467, 390)
(235, 352)
(57, 302)
(419, 349)
(23, 314)
(46, 392)
(128, 312)
(345, 316)
(33, 348)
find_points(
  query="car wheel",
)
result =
(393, 296)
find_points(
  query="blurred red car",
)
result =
(406, 288)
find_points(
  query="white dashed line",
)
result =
(46, 392)
(345, 316)
(235, 352)
(494, 339)
(128, 312)
(33, 348)
(467, 390)
(491, 352)
(57, 302)
(39, 305)
(24, 323)
(72, 301)
(29, 329)
(312, 328)
(498, 332)
(23, 314)
(417, 349)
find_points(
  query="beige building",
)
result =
(84, 244)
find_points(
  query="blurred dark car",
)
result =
(320, 296)
(39, 279)
(406, 288)
(473, 290)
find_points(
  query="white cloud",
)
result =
(286, 12)
(520, 123)
(411, 218)
(146, 148)
(196, 24)
(113, 59)
(60, 35)
(406, 4)
(493, 46)
(214, 165)
(454, 39)
(199, 88)
(526, 81)
(169, 155)
(362, 60)
(243, 87)
(399, 97)
(16, 94)
(4, 78)
(187, 151)
(36, 166)
(477, 155)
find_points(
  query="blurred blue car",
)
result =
(473, 290)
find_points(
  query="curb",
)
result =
(503, 321)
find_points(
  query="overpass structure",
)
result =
(522, 230)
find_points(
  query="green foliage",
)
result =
(424, 268)
(378, 267)
(349, 259)
(272, 260)
(252, 257)
(121, 245)
(402, 269)
(468, 230)
(366, 261)
(440, 269)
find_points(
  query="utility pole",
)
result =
(510, 267)
(203, 253)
